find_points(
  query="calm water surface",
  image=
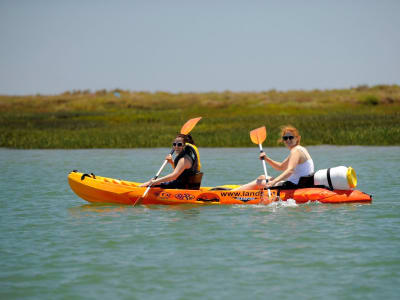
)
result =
(54, 245)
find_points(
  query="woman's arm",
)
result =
(183, 164)
(292, 162)
(279, 166)
(169, 159)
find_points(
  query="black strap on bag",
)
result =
(328, 176)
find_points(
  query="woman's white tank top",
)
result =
(304, 169)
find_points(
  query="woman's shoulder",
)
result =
(303, 152)
(298, 150)
(186, 158)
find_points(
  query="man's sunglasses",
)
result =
(177, 144)
(287, 137)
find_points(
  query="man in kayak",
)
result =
(186, 173)
(298, 164)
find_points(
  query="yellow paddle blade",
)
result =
(258, 135)
(188, 126)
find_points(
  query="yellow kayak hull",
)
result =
(98, 189)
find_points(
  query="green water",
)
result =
(54, 245)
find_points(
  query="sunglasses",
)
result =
(287, 137)
(177, 144)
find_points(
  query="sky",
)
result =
(49, 47)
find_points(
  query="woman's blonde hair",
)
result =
(293, 130)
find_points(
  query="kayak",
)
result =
(97, 189)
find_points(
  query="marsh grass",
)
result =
(358, 116)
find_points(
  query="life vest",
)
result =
(189, 177)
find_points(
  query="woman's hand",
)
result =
(168, 158)
(270, 183)
(144, 184)
(263, 156)
(148, 183)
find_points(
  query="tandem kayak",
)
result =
(97, 189)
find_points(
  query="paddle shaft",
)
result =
(155, 177)
(265, 170)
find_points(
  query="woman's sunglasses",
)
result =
(287, 137)
(177, 144)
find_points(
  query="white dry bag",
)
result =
(338, 178)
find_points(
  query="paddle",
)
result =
(258, 136)
(186, 128)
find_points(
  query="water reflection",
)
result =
(194, 210)
(100, 209)
(118, 210)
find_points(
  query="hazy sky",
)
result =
(53, 46)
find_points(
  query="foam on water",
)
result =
(287, 203)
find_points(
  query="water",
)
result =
(54, 245)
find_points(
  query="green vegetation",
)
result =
(122, 119)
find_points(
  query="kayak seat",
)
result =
(194, 182)
(306, 181)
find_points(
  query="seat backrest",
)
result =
(194, 181)
(306, 181)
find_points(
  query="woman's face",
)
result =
(178, 145)
(289, 139)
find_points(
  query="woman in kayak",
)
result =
(186, 173)
(298, 164)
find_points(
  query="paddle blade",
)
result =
(258, 135)
(188, 126)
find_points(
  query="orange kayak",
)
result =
(97, 189)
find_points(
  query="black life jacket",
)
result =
(188, 176)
